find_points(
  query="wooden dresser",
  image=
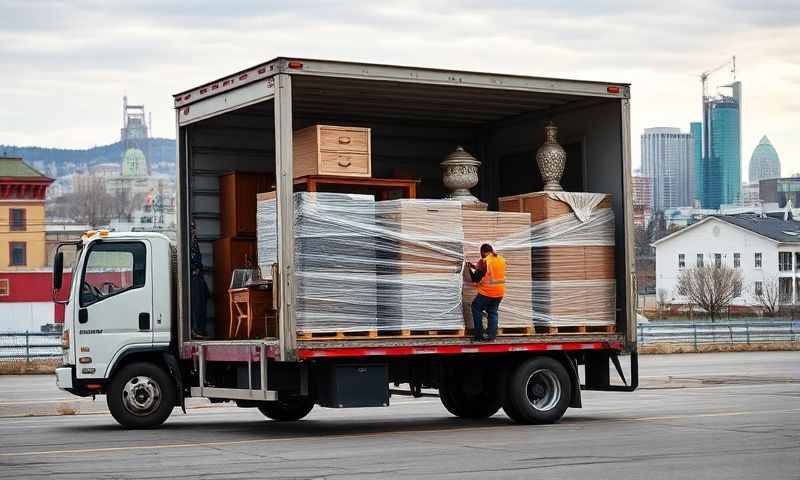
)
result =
(332, 150)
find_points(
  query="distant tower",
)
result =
(668, 159)
(764, 163)
(134, 132)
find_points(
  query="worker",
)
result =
(490, 276)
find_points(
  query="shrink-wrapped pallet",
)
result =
(335, 259)
(571, 240)
(421, 263)
(362, 265)
(516, 309)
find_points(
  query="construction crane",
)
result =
(704, 76)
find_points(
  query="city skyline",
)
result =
(87, 51)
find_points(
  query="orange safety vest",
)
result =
(493, 283)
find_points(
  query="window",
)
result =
(737, 260)
(17, 221)
(758, 260)
(737, 289)
(700, 260)
(717, 260)
(759, 288)
(17, 254)
(112, 268)
(681, 261)
(4, 287)
(785, 290)
(785, 261)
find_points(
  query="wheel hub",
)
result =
(543, 390)
(141, 395)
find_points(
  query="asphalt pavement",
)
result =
(709, 416)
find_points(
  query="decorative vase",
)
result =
(551, 159)
(459, 174)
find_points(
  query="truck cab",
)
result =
(119, 306)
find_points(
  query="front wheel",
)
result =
(141, 395)
(538, 391)
(287, 410)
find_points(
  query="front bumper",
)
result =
(64, 378)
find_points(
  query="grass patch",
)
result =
(21, 367)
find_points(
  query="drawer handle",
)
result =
(344, 140)
(344, 164)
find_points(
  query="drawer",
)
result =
(343, 140)
(344, 163)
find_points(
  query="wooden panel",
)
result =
(238, 192)
(332, 150)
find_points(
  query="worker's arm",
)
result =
(477, 273)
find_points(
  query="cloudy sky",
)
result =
(66, 64)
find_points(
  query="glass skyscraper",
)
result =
(722, 154)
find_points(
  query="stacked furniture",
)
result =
(237, 246)
(572, 255)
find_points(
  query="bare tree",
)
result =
(768, 295)
(125, 202)
(710, 287)
(90, 204)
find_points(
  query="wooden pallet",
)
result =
(383, 334)
(575, 329)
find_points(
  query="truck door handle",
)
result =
(83, 315)
(144, 321)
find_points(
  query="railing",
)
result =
(27, 346)
(723, 332)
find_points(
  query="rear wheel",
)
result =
(469, 399)
(287, 410)
(141, 395)
(538, 391)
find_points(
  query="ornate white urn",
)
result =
(460, 174)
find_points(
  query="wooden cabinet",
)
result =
(331, 150)
(237, 202)
(229, 254)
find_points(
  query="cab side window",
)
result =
(112, 268)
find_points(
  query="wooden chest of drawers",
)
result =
(332, 150)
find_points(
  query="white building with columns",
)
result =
(765, 249)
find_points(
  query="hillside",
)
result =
(162, 150)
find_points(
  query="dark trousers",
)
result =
(489, 305)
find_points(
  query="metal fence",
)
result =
(722, 332)
(27, 346)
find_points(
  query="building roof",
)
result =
(16, 167)
(775, 229)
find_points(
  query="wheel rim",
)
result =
(543, 390)
(141, 396)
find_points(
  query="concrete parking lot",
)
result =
(725, 416)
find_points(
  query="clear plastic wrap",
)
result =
(398, 265)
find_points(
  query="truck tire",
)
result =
(141, 395)
(287, 410)
(538, 391)
(465, 404)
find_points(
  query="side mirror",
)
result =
(58, 270)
